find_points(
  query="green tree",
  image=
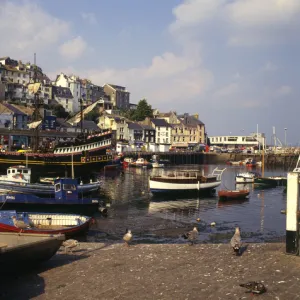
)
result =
(142, 111)
(92, 115)
(59, 111)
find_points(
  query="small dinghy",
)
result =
(44, 223)
(20, 250)
(233, 194)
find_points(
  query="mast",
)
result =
(263, 159)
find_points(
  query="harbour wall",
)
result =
(178, 158)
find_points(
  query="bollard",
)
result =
(291, 213)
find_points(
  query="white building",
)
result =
(63, 96)
(235, 141)
(163, 131)
(74, 84)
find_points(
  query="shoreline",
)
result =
(159, 271)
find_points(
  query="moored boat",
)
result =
(44, 223)
(156, 164)
(66, 196)
(185, 180)
(18, 179)
(20, 250)
(271, 181)
(245, 177)
(234, 163)
(233, 194)
(141, 162)
(127, 161)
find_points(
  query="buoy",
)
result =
(143, 192)
(213, 224)
(198, 219)
(283, 211)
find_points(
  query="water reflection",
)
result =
(133, 205)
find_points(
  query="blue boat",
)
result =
(66, 198)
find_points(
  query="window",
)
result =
(167, 133)
(19, 75)
(194, 138)
(183, 138)
(158, 134)
(224, 139)
(158, 140)
(190, 138)
(69, 187)
(158, 128)
(57, 187)
(167, 140)
(174, 138)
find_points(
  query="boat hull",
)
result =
(60, 223)
(241, 179)
(25, 250)
(163, 187)
(236, 194)
(271, 181)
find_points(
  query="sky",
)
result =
(232, 61)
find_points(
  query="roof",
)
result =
(26, 110)
(5, 57)
(13, 109)
(191, 120)
(147, 127)
(134, 126)
(117, 87)
(90, 125)
(160, 122)
(13, 69)
(60, 91)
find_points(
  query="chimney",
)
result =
(196, 116)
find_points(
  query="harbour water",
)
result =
(163, 219)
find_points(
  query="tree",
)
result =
(59, 111)
(143, 111)
(92, 116)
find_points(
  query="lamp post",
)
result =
(285, 129)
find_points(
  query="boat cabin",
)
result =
(18, 173)
(66, 189)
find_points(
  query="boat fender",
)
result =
(103, 211)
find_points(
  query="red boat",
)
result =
(44, 223)
(233, 194)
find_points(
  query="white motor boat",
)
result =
(245, 177)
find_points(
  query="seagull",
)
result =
(70, 244)
(127, 237)
(191, 236)
(236, 241)
(19, 224)
(254, 287)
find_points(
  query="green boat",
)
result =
(271, 181)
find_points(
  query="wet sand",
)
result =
(158, 271)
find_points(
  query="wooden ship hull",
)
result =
(233, 194)
(23, 250)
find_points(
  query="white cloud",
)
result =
(284, 90)
(269, 67)
(243, 22)
(89, 17)
(227, 91)
(26, 28)
(73, 49)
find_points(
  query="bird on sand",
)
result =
(127, 237)
(254, 287)
(70, 244)
(191, 236)
(236, 241)
(19, 223)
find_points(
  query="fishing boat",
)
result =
(127, 161)
(44, 223)
(141, 162)
(18, 179)
(271, 181)
(245, 177)
(156, 164)
(185, 180)
(233, 194)
(23, 250)
(234, 163)
(66, 196)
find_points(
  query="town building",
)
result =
(64, 97)
(135, 132)
(119, 96)
(234, 141)
(117, 124)
(163, 131)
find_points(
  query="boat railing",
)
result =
(178, 175)
(217, 173)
